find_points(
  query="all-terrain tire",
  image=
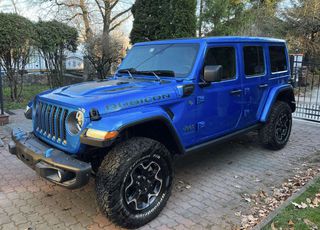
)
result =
(118, 167)
(276, 131)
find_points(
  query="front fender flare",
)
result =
(120, 121)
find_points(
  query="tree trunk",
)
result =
(86, 21)
(61, 78)
(200, 18)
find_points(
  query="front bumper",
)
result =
(50, 163)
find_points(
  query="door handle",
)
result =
(262, 86)
(236, 91)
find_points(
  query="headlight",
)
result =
(75, 122)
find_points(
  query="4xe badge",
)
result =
(189, 128)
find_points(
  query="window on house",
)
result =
(224, 56)
(253, 61)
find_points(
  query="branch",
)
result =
(65, 4)
(120, 14)
(73, 17)
(100, 8)
(14, 6)
(114, 4)
(119, 23)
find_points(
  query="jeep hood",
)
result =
(112, 95)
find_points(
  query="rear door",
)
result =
(255, 81)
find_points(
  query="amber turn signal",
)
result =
(102, 135)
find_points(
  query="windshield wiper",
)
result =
(158, 78)
(129, 71)
(165, 73)
(156, 73)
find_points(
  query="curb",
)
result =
(285, 204)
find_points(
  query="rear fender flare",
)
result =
(272, 98)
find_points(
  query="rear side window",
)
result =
(224, 56)
(278, 58)
(253, 60)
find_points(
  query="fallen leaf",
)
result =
(304, 205)
(311, 225)
(237, 213)
(273, 227)
(290, 223)
(316, 201)
(300, 206)
(296, 205)
(263, 194)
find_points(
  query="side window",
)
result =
(278, 58)
(224, 56)
(253, 61)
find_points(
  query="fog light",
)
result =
(60, 175)
(64, 175)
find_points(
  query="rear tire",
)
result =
(276, 131)
(134, 182)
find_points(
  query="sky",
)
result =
(35, 12)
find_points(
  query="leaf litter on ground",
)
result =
(262, 203)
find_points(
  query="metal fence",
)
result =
(306, 81)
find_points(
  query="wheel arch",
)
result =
(283, 93)
(157, 128)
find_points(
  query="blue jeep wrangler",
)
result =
(167, 98)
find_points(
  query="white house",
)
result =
(73, 61)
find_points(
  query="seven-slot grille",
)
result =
(50, 121)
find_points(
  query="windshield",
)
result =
(175, 58)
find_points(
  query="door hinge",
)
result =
(201, 125)
(200, 99)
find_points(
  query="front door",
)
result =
(220, 103)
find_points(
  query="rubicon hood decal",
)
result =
(113, 95)
(136, 102)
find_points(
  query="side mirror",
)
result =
(212, 73)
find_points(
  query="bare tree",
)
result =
(96, 18)
(200, 19)
(302, 22)
(15, 6)
(102, 62)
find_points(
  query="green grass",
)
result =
(296, 215)
(28, 93)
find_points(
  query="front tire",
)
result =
(134, 182)
(276, 132)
